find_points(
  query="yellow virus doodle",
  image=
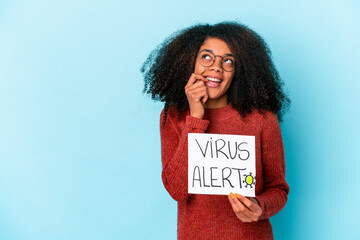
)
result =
(249, 180)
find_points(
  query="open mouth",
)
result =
(214, 79)
(213, 82)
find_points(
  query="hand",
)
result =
(196, 94)
(246, 209)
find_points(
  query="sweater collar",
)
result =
(217, 114)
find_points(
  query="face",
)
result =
(219, 79)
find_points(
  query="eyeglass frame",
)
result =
(222, 60)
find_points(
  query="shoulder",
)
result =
(172, 113)
(172, 116)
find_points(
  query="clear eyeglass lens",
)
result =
(207, 59)
(228, 63)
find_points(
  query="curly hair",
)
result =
(256, 83)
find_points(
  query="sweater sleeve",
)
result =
(174, 154)
(276, 189)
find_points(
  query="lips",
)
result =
(213, 82)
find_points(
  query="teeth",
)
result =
(213, 79)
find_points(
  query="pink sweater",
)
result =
(211, 216)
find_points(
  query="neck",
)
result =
(217, 103)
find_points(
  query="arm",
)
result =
(276, 189)
(174, 154)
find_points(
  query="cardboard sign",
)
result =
(221, 163)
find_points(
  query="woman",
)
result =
(220, 79)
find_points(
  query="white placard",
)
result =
(221, 163)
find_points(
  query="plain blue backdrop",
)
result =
(79, 142)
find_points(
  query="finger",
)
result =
(193, 78)
(195, 85)
(199, 84)
(238, 212)
(249, 204)
(197, 94)
(243, 209)
(205, 98)
(201, 78)
(190, 92)
(195, 89)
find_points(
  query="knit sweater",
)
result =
(211, 216)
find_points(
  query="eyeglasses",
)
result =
(207, 59)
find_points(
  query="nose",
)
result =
(217, 65)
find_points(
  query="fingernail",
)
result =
(232, 195)
(206, 79)
(237, 195)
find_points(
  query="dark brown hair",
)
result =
(256, 83)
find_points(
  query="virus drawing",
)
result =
(249, 180)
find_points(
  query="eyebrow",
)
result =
(209, 50)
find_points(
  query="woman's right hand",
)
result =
(196, 94)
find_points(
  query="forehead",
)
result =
(217, 45)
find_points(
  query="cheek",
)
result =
(198, 68)
(230, 78)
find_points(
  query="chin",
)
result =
(214, 95)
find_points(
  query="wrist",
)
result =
(197, 115)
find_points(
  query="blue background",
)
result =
(79, 142)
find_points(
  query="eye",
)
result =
(206, 56)
(229, 61)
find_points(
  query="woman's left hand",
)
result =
(246, 209)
